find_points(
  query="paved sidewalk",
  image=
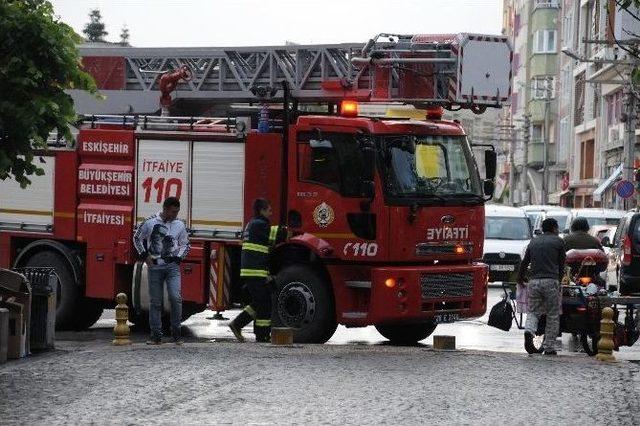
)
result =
(230, 383)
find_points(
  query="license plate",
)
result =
(445, 318)
(502, 267)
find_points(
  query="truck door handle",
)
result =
(100, 257)
(188, 269)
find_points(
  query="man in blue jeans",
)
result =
(162, 242)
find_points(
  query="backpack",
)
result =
(501, 315)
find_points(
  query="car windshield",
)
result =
(429, 166)
(506, 228)
(533, 216)
(561, 218)
(594, 221)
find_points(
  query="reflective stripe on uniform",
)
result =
(262, 273)
(273, 233)
(263, 323)
(255, 247)
(248, 309)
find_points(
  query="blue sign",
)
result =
(625, 189)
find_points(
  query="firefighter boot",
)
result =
(244, 318)
(262, 329)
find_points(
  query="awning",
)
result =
(597, 194)
(554, 198)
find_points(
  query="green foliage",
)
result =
(38, 61)
(94, 30)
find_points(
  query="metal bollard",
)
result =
(605, 344)
(121, 331)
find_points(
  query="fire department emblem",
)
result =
(323, 215)
(502, 255)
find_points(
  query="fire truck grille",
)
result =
(428, 249)
(435, 286)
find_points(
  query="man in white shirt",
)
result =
(162, 242)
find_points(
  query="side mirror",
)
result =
(606, 242)
(490, 163)
(489, 187)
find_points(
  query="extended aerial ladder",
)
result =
(418, 69)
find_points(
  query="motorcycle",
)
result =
(583, 296)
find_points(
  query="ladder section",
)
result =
(233, 74)
(452, 70)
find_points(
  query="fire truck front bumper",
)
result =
(416, 294)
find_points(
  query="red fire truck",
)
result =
(387, 215)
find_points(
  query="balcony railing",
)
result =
(546, 4)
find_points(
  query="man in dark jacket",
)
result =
(546, 255)
(579, 237)
(259, 237)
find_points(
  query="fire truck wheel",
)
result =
(304, 302)
(69, 295)
(406, 334)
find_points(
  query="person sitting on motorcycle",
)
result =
(579, 237)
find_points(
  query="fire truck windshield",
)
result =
(429, 168)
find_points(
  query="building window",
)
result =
(614, 108)
(543, 87)
(536, 133)
(544, 41)
(587, 156)
(567, 29)
(565, 139)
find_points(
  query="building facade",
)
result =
(532, 26)
(569, 79)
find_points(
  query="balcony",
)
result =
(536, 153)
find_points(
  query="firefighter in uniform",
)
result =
(259, 238)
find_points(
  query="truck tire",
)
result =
(406, 334)
(304, 302)
(70, 310)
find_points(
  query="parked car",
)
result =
(601, 231)
(563, 216)
(625, 249)
(507, 234)
(537, 210)
(597, 216)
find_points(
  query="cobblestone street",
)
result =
(229, 383)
